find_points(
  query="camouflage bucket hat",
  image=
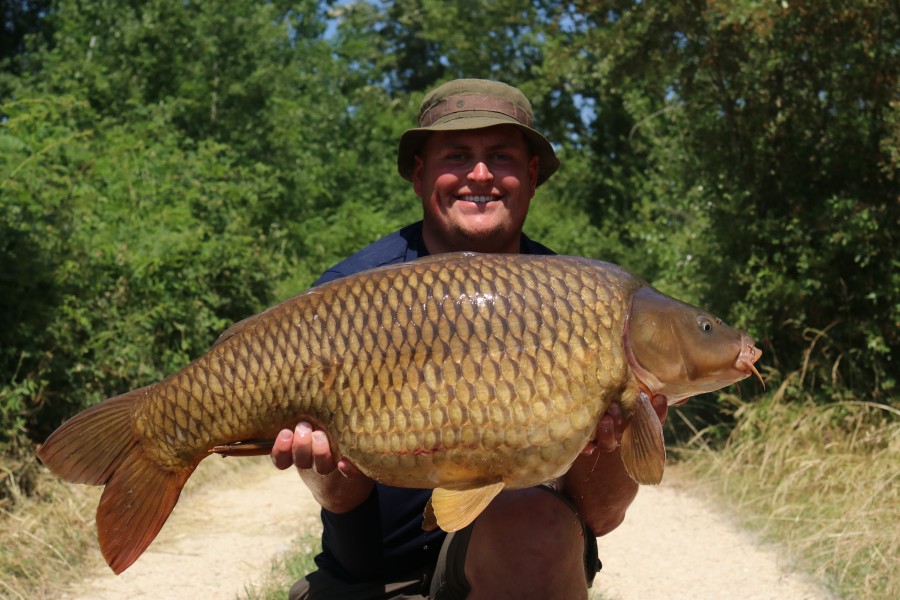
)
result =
(474, 104)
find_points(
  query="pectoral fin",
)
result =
(643, 447)
(453, 509)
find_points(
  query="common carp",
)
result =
(467, 373)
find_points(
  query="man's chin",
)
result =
(487, 239)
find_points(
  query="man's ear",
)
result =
(533, 166)
(417, 175)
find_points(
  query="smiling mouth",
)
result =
(479, 199)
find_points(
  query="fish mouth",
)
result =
(748, 355)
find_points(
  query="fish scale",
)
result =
(465, 373)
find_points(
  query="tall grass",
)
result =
(821, 480)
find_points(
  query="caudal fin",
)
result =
(98, 446)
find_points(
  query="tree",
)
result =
(18, 20)
(771, 140)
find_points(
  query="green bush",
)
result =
(126, 250)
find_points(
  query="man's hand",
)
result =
(308, 448)
(608, 434)
(337, 485)
(597, 481)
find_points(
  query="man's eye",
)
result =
(502, 156)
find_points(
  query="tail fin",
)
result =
(98, 446)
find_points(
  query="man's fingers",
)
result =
(306, 448)
(614, 411)
(323, 462)
(302, 447)
(348, 469)
(606, 434)
(281, 449)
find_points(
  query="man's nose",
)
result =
(480, 172)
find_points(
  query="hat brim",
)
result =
(412, 140)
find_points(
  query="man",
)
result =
(475, 162)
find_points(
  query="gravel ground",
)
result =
(223, 536)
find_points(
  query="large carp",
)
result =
(467, 373)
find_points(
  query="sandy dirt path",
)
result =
(224, 535)
(220, 538)
(676, 545)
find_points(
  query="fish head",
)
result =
(678, 350)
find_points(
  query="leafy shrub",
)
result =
(126, 251)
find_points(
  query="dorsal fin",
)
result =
(235, 329)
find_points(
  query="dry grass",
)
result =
(45, 538)
(820, 480)
(48, 537)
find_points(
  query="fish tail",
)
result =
(643, 447)
(98, 446)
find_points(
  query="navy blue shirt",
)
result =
(382, 539)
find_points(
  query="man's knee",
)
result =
(529, 538)
(531, 516)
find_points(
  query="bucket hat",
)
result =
(464, 104)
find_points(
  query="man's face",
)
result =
(475, 187)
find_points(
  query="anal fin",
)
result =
(245, 448)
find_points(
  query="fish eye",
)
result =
(704, 323)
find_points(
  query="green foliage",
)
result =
(18, 20)
(422, 43)
(285, 570)
(127, 255)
